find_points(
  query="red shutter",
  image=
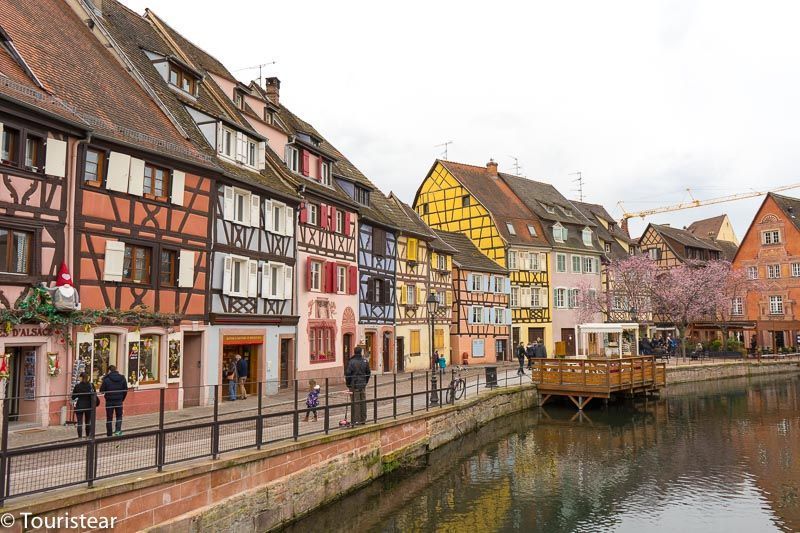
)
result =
(305, 163)
(323, 216)
(347, 223)
(304, 213)
(331, 278)
(333, 218)
(319, 169)
(308, 274)
(353, 277)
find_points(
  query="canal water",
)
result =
(716, 456)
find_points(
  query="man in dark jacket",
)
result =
(116, 389)
(241, 372)
(541, 351)
(357, 377)
(530, 353)
(521, 357)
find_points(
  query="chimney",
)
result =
(491, 168)
(623, 224)
(273, 87)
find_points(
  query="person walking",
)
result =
(232, 376)
(521, 357)
(85, 401)
(242, 369)
(530, 353)
(357, 376)
(312, 400)
(540, 351)
(115, 389)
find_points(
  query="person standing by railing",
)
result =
(357, 376)
(115, 388)
(232, 376)
(242, 371)
(85, 401)
(521, 357)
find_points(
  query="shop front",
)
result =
(249, 348)
(378, 344)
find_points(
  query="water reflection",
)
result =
(716, 456)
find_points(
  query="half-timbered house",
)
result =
(480, 331)
(423, 266)
(251, 279)
(477, 202)
(139, 236)
(670, 247)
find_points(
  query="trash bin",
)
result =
(491, 377)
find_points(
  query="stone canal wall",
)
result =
(714, 371)
(261, 490)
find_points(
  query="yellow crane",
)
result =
(699, 203)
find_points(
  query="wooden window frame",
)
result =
(22, 134)
(9, 259)
(166, 183)
(321, 336)
(173, 282)
(13, 150)
(147, 280)
(102, 166)
(37, 163)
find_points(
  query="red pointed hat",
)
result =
(64, 277)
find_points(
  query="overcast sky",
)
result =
(644, 98)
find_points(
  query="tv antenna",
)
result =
(517, 166)
(579, 181)
(444, 145)
(259, 67)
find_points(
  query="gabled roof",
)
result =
(606, 235)
(501, 202)
(407, 220)
(75, 67)
(707, 227)
(467, 256)
(685, 238)
(790, 207)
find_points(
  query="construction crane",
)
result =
(699, 203)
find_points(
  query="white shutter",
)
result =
(219, 137)
(486, 280)
(525, 299)
(288, 281)
(55, 159)
(508, 285)
(289, 222)
(509, 319)
(136, 177)
(542, 261)
(543, 295)
(114, 259)
(489, 318)
(118, 170)
(265, 279)
(186, 269)
(596, 265)
(268, 216)
(227, 275)
(252, 278)
(240, 147)
(261, 163)
(469, 314)
(178, 182)
(255, 211)
(228, 203)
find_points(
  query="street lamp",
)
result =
(432, 304)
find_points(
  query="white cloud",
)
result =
(645, 98)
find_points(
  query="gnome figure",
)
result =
(64, 295)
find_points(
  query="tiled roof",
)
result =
(706, 228)
(607, 236)
(728, 249)
(76, 68)
(685, 238)
(407, 220)
(504, 206)
(790, 206)
(467, 255)
(600, 212)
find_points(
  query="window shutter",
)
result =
(288, 282)
(261, 163)
(434, 260)
(332, 215)
(370, 296)
(542, 262)
(507, 286)
(401, 294)
(136, 177)
(55, 158)
(255, 210)
(353, 275)
(485, 280)
(240, 147)
(327, 284)
(308, 274)
(347, 229)
(448, 298)
(387, 289)
(470, 314)
(265, 285)
(186, 269)
(228, 203)
(305, 162)
(252, 278)
(227, 274)
(268, 216)
(449, 263)
(178, 184)
(490, 314)
(319, 169)
(323, 216)
(469, 282)
(289, 222)
(114, 259)
(596, 265)
(118, 170)
(219, 137)
(509, 319)
(303, 213)
(421, 296)
(543, 297)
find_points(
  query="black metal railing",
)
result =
(38, 459)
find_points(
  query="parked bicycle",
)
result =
(458, 386)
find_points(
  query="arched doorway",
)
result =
(387, 356)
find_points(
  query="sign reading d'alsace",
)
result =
(27, 331)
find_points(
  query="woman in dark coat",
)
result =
(84, 397)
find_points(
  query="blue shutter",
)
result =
(469, 282)
(469, 315)
(489, 319)
(508, 286)
(485, 283)
(508, 317)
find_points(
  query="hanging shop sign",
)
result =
(26, 331)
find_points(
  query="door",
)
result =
(568, 338)
(369, 346)
(387, 363)
(500, 349)
(779, 340)
(250, 354)
(515, 337)
(285, 375)
(400, 354)
(347, 347)
(536, 333)
(192, 363)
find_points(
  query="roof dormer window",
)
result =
(181, 79)
(361, 195)
(560, 233)
(531, 230)
(566, 211)
(587, 237)
(549, 208)
(238, 99)
(510, 228)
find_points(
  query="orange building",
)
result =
(770, 253)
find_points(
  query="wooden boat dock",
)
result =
(581, 380)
